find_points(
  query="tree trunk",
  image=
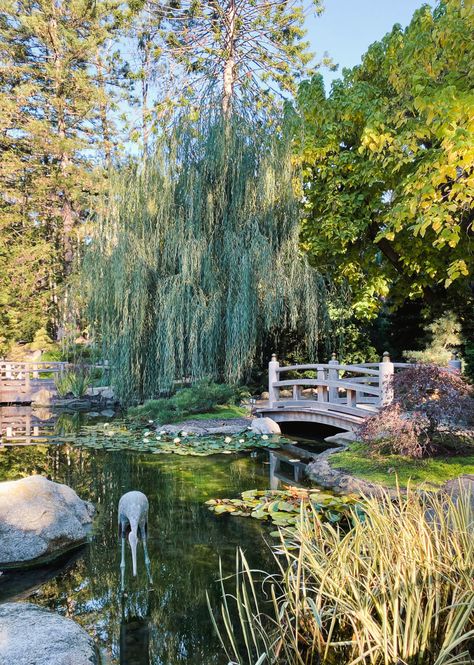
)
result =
(229, 75)
(67, 210)
(104, 120)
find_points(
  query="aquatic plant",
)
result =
(75, 381)
(196, 259)
(283, 507)
(396, 588)
(121, 435)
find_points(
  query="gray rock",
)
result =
(43, 397)
(265, 426)
(39, 520)
(209, 427)
(322, 473)
(32, 635)
(461, 486)
(93, 414)
(107, 413)
(342, 438)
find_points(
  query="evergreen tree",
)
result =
(54, 120)
(227, 50)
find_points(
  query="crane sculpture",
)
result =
(133, 520)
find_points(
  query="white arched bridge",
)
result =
(334, 394)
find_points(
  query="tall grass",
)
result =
(74, 381)
(397, 589)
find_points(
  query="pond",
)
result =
(168, 621)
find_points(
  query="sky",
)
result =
(347, 28)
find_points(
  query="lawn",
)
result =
(221, 412)
(389, 469)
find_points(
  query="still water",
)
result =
(166, 622)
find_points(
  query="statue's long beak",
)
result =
(132, 539)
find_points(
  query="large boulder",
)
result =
(32, 635)
(39, 520)
(265, 426)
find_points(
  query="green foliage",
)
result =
(55, 105)
(397, 588)
(389, 470)
(444, 338)
(74, 381)
(202, 397)
(196, 259)
(283, 507)
(387, 158)
(240, 50)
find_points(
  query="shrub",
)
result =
(396, 588)
(202, 397)
(430, 409)
(392, 431)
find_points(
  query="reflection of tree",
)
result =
(185, 543)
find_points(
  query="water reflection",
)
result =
(168, 623)
(134, 638)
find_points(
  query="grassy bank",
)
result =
(388, 469)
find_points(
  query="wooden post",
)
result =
(455, 365)
(386, 371)
(333, 375)
(296, 393)
(351, 397)
(273, 377)
(321, 389)
(27, 379)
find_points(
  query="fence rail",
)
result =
(20, 381)
(349, 389)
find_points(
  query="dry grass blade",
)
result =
(396, 588)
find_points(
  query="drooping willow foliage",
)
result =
(196, 259)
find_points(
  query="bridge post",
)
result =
(386, 371)
(273, 392)
(333, 375)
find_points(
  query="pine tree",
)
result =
(252, 51)
(54, 123)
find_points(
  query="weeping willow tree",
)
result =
(196, 260)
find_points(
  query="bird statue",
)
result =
(133, 520)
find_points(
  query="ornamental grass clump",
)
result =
(396, 589)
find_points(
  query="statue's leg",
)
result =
(122, 560)
(145, 551)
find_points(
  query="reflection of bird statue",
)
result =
(133, 520)
(135, 632)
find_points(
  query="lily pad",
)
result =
(128, 436)
(283, 507)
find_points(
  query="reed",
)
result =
(396, 589)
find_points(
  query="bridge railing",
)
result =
(20, 375)
(351, 389)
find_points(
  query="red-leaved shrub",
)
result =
(432, 410)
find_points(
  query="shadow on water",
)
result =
(167, 622)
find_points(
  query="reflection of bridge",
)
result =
(332, 394)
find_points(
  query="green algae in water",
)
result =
(168, 622)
